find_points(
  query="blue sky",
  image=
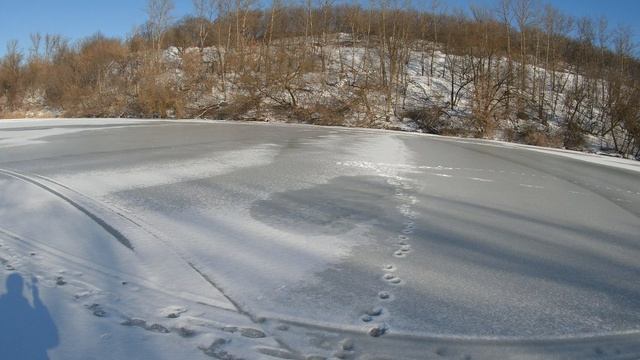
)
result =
(75, 19)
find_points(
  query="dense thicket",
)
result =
(519, 70)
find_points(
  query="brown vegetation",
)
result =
(519, 69)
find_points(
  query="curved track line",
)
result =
(631, 335)
(125, 241)
(102, 270)
(103, 224)
(41, 182)
(146, 229)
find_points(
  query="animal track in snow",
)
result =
(378, 330)
(404, 207)
(389, 268)
(366, 318)
(252, 333)
(215, 350)
(172, 312)
(375, 311)
(392, 279)
(143, 324)
(97, 310)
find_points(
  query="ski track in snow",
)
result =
(78, 276)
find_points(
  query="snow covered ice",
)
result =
(193, 239)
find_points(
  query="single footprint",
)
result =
(399, 254)
(378, 330)
(252, 333)
(173, 311)
(185, 332)
(97, 310)
(347, 344)
(214, 350)
(384, 295)
(389, 268)
(392, 279)
(230, 329)
(375, 311)
(157, 328)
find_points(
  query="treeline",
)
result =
(519, 70)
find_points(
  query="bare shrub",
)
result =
(429, 119)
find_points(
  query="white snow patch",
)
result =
(105, 181)
(480, 179)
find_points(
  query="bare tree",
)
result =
(505, 14)
(10, 71)
(523, 11)
(36, 41)
(204, 11)
(436, 12)
(52, 45)
(159, 18)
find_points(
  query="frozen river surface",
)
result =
(178, 239)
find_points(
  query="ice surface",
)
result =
(257, 241)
